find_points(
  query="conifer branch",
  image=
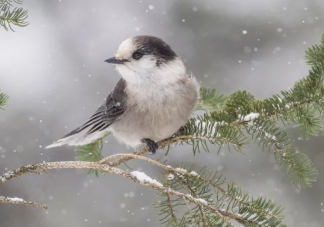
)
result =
(83, 154)
(209, 100)
(297, 165)
(20, 202)
(214, 214)
(9, 16)
(191, 213)
(195, 189)
(163, 144)
(173, 220)
(3, 99)
(302, 105)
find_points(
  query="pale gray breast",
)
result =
(157, 113)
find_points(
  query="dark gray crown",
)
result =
(154, 46)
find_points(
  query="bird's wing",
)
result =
(94, 128)
(107, 113)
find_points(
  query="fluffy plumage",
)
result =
(152, 100)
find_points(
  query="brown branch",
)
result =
(161, 144)
(21, 202)
(39, 168)
(42, 167)
(101, 165)
(170, 169)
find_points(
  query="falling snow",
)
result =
(60, 91)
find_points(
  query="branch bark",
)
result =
(42, 167)
(109, 164)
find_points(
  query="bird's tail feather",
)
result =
(95, 128)
(79, 138)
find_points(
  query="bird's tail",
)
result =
(95, 128)
(79, 138)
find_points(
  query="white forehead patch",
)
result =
(125, 49)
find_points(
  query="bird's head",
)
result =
(144, 59)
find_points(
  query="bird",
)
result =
(153, 99)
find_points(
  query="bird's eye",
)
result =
(137, 55)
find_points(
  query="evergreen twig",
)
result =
(195, 189)
(9, 16)
(3, 99)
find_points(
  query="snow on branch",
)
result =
(20, 201)
(193, 179)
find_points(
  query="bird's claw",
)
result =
(153, 146)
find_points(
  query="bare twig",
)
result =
(21, 202)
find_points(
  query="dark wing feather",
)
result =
(107, 113)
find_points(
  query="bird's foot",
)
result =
(153, 146)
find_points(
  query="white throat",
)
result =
(157, 76)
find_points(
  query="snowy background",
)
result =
(55, 74)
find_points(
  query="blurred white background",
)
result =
(54, 72)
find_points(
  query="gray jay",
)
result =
(152, 100)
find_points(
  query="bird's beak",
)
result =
(116, 61)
